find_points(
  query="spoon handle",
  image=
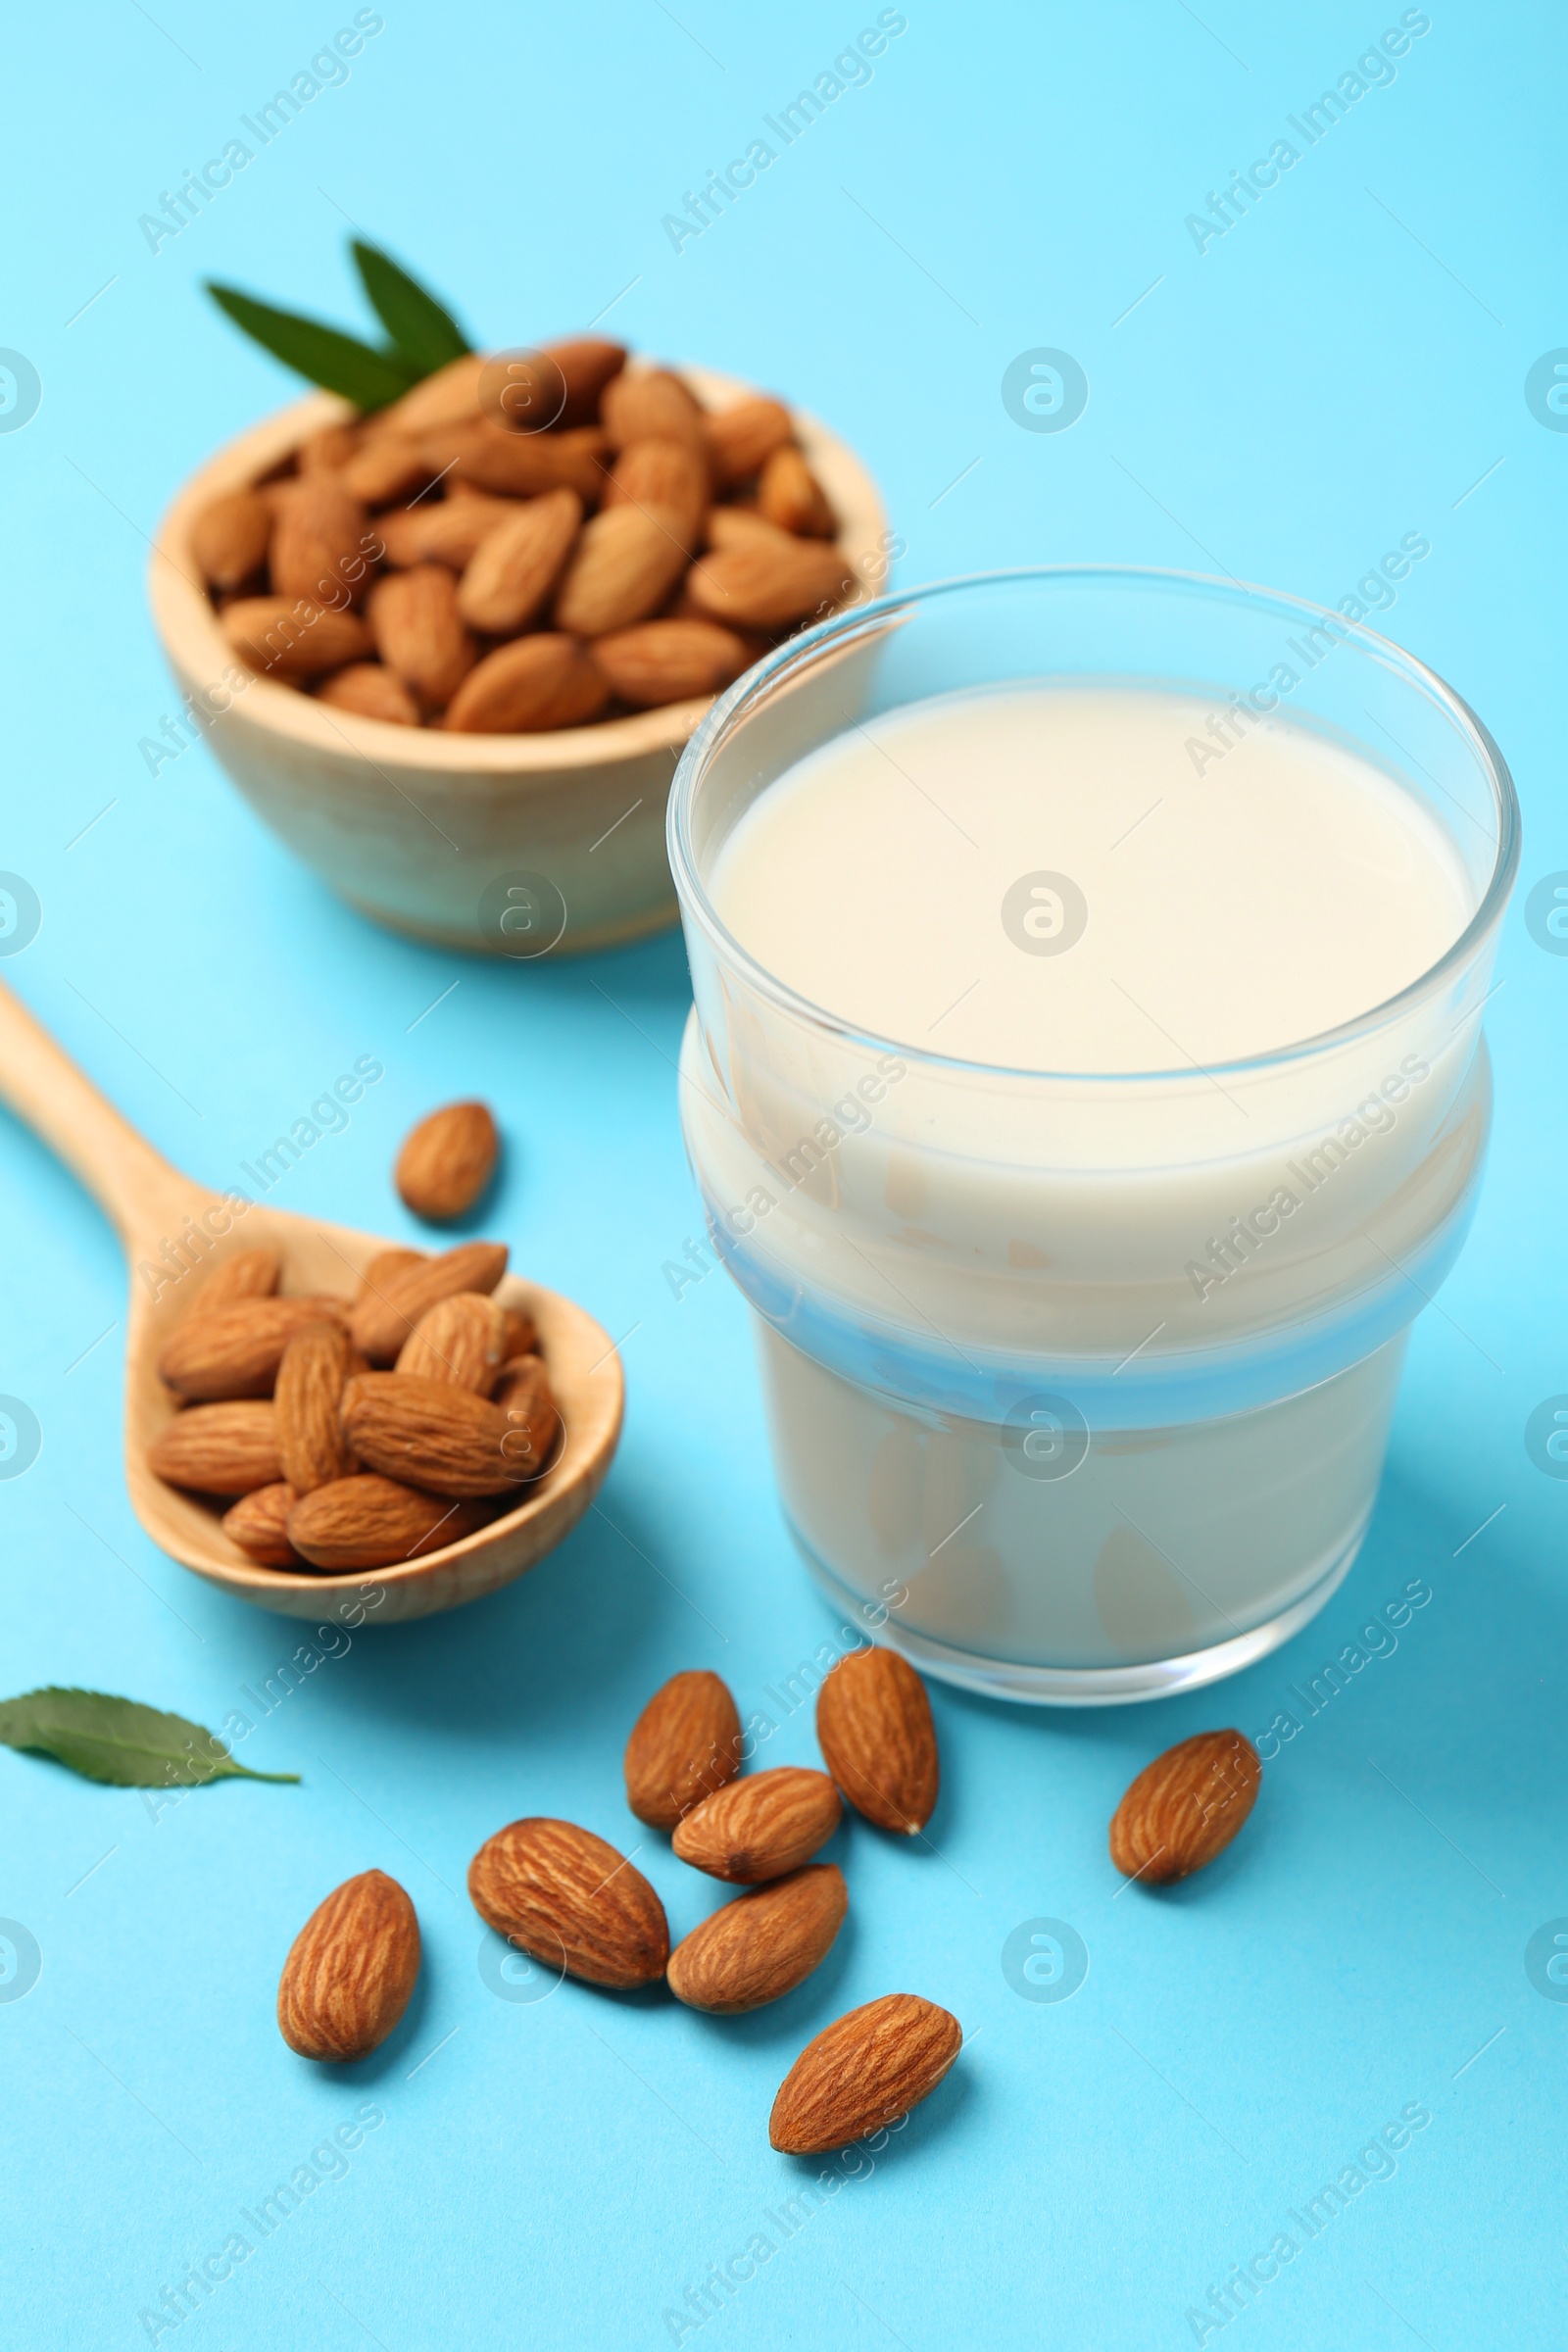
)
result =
(42, 1085)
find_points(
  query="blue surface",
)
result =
(1346, 365)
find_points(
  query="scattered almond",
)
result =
(875, 1728)
(370, 691)
(311, 1444)
(235, 1349)
(572, 1902)
(219, 1449)
(420, 632)
(447, 1162)
(230, 538)
(373, 1522)
(461, 1339)
(394, 1297)
(760, 1827)
(761, 1945)
(1185, 1807)
(516, 566)
(528, 687)
(622, 568)
(863, 2073)
(669, 660)
(259, 1524)
(350, 1971)
(685, 1744)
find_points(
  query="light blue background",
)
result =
(1339, 369)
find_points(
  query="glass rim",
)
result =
(798, 650)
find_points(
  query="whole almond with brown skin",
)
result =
(243, 1274)
(442, 530)
(522, 465)
(863, 2072)
(664, 477)
(760, 1827)
(528, 687)
(522, 1336)
(370, 691)
(762, 587)
(392, 465)
(652, 405)
(450, 396)
(230, 538)
(462, 1339)
(570, 1901)
(623, 566)
(1185, 1807)
(350, 1971)
(788, 493)
(524, 1393)
(739, 439)
(743, 526)
(560, 384)
(292, 638)
(329, 448)
(311, 1444)
(259, 1524)
(761, 1945)
(875, 1728)
(447, 1160)
(685, 1744)
(420, 632)
(394, 1297)
(514, 567)
(442, 1439)
(219, 1449)
(669, 660)
(587, 364)
(373, 1522)
(235, 1349)
(317, 534)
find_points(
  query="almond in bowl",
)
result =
(454, 662)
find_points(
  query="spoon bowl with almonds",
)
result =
(448, 1423)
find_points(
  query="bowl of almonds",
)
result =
(449, 646)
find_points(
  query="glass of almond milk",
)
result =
(1087, 1088)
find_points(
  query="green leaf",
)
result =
(369, 378)
(426, 335)
(120, 1741)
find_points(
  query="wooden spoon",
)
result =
(153, 1205)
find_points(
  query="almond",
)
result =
(420, 632)
(449, 397)
(558, 384)
(526, 687)
(650, 406)
(317, 534)
(587, 364)
(259, 1524)
(370, 691)
(524, 1393)
(390, 466)
(1185, 1807)
(372, 1522)
(447, 1160)
(570, 1901)
(669, 660)
(761, 1945)
(235, 1349)
(743, 526)
(522, 465)
(685, 1744)
(875, 1728)
(461, 1339)
(764, 587)
(790, 495)
(516, 564)
(443, 1439)
(219, 1449)
(662, 477)
(622, 567)
(863, 2073)
(446, 530)
(350, 1971)
(761, 1828)
(244, 1274)
(329, 448)
(737, 439)
(522, 1336)
(293, 638)
(310, 1447)
(230, 538)
(394, 1296)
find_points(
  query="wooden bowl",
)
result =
(414, 826)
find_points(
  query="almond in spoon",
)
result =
(373, 1522)
(431, 1435)
(685, 1744)
(761, 1945)
(259, 1524)
(219, 1449)
(761, 1828)
(462, 1339)
(863, 2073)
(570, 1901)
(235, 1349)
(401, 1286)
(311, 1444)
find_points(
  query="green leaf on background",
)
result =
(425, 334)
(120, 1741)
(337, 362)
